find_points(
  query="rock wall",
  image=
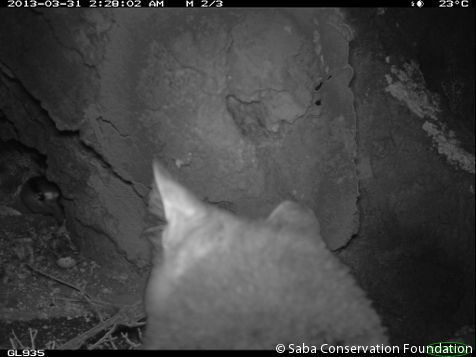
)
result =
(247, 107)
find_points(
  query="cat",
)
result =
(220, 281)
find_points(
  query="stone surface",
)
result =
(225, 99)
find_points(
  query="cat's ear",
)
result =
(179, 204)
(291, 214)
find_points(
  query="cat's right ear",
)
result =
(180, 205)
(291, 214)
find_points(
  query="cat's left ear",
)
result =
(179, 204)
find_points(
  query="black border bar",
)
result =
(205, 4)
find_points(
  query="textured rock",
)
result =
(225, 99)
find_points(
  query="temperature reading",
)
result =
(453, 3)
